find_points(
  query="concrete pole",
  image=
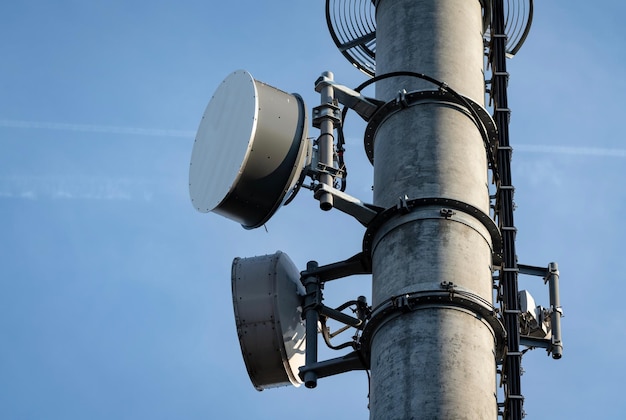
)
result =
(436, 362)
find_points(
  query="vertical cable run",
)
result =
(513, 404)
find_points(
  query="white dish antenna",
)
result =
(249, 152)
(267, 299)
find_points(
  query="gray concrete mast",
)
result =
(432, 337)
(438, 360)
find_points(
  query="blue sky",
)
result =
(115, 296)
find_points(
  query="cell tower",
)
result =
(446, 318)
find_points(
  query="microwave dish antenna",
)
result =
(250, 151)
(268, 300)
(518, 18)
(352, 26)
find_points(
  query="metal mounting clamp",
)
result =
(449, 296)
(473, 110)
(364, 106)
(445, 208)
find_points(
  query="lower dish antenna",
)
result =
(267, 300)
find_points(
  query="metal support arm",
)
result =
(364, 213)
(357, 264)
(351, 361)
(364, 106)
(314, 310)
(550, 275)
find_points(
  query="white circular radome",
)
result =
(249, 152)
(223, 141)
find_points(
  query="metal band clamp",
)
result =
(475, 111)
(405, 206)
(410, 302)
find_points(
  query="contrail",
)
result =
(73, 188)
(97, 128)
(525, 148)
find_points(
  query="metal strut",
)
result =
(315, 312)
